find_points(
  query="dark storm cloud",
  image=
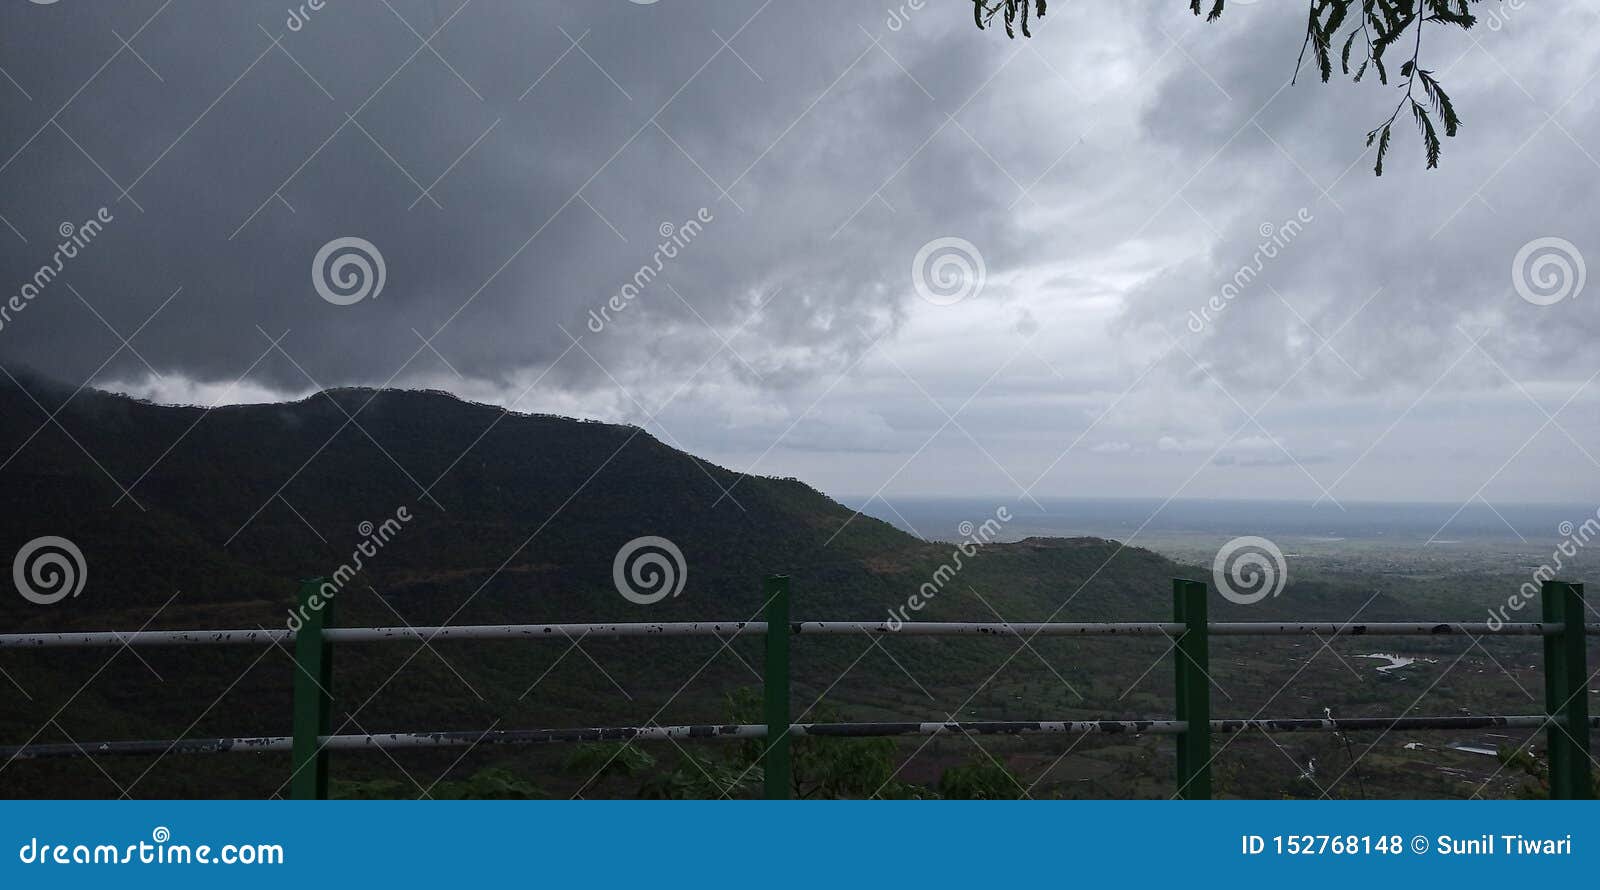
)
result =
(550, 157)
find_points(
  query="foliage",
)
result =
(605, 761)
(493, 783)
(698, 776)
(1015, 10)
(1523, 760)
(823, 767)
(983, 779)
(831, 768)
(1377, 24)
(693, 776)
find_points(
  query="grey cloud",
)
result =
(1112, 182)
(515, 252)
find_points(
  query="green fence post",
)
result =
(775, 687)
(1566, 691)
(313, 706)
(1191, 659)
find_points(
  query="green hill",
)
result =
(516, 518)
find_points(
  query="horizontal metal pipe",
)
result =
(153, 747)
(1157, 628)
(567, 632)
(260, 744)
(986, 628)
(1381, 628)
(383, 634)
(585, 734)
(260, 637)
(146, 638)
(1356, 724)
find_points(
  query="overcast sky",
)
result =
(1113, 174)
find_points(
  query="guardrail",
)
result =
(1566, 718)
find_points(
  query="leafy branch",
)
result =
(1015, 11)
(1378, 24)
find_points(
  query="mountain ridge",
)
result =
(513, 518)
